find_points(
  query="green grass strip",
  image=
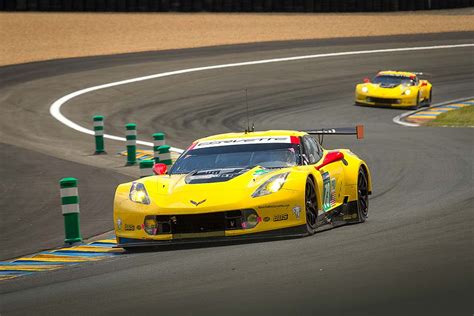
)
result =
(463, 117)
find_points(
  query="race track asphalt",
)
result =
(413, 256)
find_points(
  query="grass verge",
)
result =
(463, 117)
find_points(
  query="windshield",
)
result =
(386, 80)
(237, 157)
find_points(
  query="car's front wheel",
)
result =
(428, 103)
(417, 106)
(311, 207)
(362, 196)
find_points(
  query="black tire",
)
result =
(362, 196)
(130, 249)
(428, 103)
(311, 207)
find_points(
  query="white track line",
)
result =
(55, 108)
(399, 119)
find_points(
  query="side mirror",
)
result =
(159, 169)
(331, 157)
(366, 80)
(424, 83)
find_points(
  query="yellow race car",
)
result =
(245, 185)
(396, 89)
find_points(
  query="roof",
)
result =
(252, 135)
(396, 73)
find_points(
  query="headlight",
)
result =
(138, 193)
(365, 89)
(407, 92)
(272, 185)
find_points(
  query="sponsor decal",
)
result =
(260, 172)
(266, 219)
(326, 191)
(139, 227)
(119, 224)
(197, 203)
(280, 217)
(129, 227)
(244, 141)
(333, 192)
(297, 211)
(329, 192)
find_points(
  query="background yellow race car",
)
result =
(245, 185)
(394, 88)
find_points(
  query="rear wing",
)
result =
(358, 131)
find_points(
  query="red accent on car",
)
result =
(294, 139)
(331, 157)
(160, 168)
(366, 80)
(424, 84)
(192, 145)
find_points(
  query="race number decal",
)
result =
(326, 192)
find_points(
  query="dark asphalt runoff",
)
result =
(413, 256)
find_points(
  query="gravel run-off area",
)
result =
(31, 36)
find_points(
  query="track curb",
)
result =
(400, 119)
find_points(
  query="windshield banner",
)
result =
(244, 141)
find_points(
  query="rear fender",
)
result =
(351, 172)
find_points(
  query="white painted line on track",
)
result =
(55, 109)
(399, 119)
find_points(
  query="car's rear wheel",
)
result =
(362, 196)
(311, 207)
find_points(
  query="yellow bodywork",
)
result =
(171, 195)
(400, 96)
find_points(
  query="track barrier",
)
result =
(99, 134)
(131, 136)
(70, 209)
(158, 140)
(146, 168)
(164, 155)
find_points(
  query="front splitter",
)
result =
(291, 232)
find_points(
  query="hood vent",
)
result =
(213, 176)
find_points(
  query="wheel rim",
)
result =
(363, 200)
(310, 200)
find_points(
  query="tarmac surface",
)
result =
(413, 256)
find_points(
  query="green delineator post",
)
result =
(158, 140)
(70, 209)
(165, 155)
(131, 136)
(146, 168)
(99, 134)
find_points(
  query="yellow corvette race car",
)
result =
(245, 185)
(396, 89)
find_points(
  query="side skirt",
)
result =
(341, 215)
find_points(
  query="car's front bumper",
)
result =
(372, 100)
(275, 212)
